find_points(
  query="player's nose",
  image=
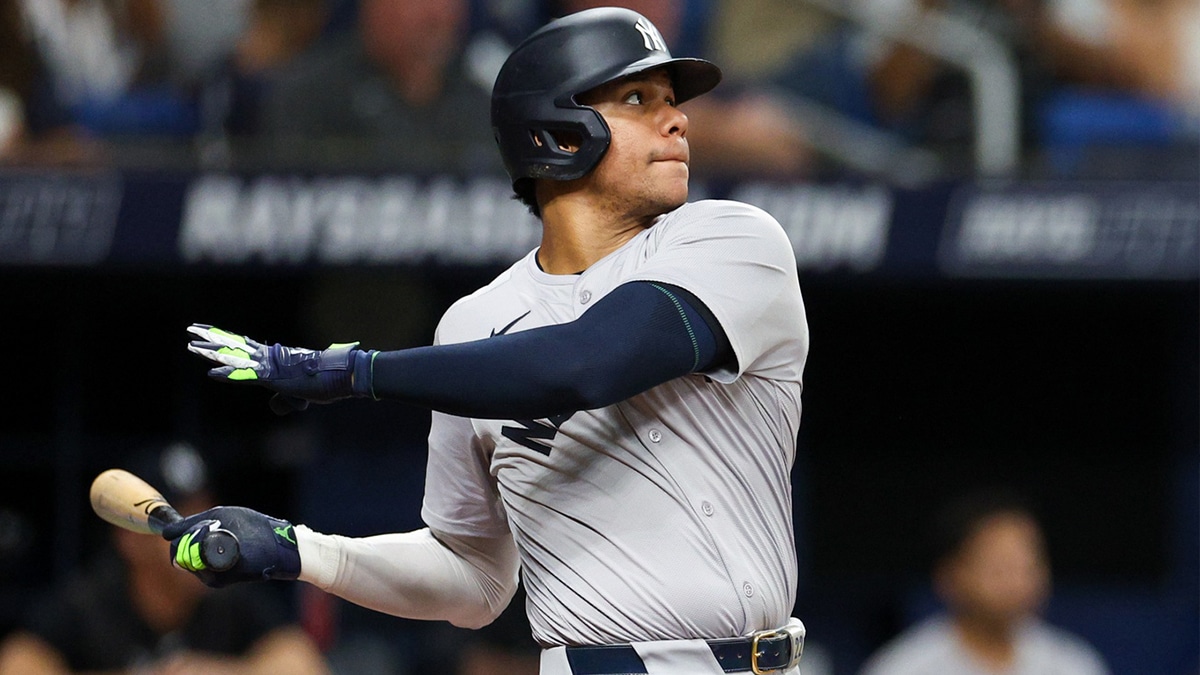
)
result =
(672, 121)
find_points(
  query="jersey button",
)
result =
(707, 508)
(655, 435)
(747, 589)
(585, 297)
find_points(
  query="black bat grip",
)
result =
(220, 549)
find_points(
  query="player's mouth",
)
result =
(677, 151)
(673, 157)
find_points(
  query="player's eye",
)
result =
(633, 98)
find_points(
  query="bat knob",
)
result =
(220, 550)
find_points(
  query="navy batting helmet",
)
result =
(534, 94)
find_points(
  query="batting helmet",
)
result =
(534, 94)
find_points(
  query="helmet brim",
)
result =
(690, 77)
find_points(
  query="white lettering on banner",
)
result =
(829, 226)
(278, 220)
(1028, 228)
(344, 217)
(290, 220)
(52, 219)
(1151, 233)
(209, 217)
(388, 209)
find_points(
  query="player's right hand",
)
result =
(296, 375)
(267, 545)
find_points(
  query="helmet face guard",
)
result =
(534, 95)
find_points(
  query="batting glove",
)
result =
(267, 546)
(296, 375)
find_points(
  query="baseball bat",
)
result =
(129, 502)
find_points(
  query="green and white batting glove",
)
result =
(266, 546)
(298, 376)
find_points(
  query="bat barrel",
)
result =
(127, 501)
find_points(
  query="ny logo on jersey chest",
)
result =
(536, 434)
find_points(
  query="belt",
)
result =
(768, 651)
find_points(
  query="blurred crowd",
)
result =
(812, 86)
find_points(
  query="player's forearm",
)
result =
(466, 581)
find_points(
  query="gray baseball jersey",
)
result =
(667, 515)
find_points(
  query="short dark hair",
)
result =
(526, 192)
(963, 517)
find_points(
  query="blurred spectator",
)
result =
(105, 68)
(232, 79)
(913, 92)
(893, 86)
(754, 39)
(130, 611)
(396, 93)
(17, 71)
(1124, 76)
(219, 52)
(508, 20)
(1148, 48)
(25, 134)
(992, 573)
(95, 76)
(195, 38)
(741, 130)
(275, 31)
(666, 15)
(1118, 72)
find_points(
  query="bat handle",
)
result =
(220, 550)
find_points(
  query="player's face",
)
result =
(645, 170)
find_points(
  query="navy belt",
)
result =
(764, 653)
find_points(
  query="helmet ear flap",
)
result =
(565, 148)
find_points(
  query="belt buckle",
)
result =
(794, 631)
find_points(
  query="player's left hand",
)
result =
(296, 375)
(267, 546)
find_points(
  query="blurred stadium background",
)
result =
(995, 205)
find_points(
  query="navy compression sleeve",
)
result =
(640, 335)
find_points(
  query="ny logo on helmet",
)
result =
(650, 36)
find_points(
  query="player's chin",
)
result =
(674, 184)
(668, 203)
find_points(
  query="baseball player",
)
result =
(615, 415)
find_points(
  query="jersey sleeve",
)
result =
(738, 261)
(461, 496)
(460, 493)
